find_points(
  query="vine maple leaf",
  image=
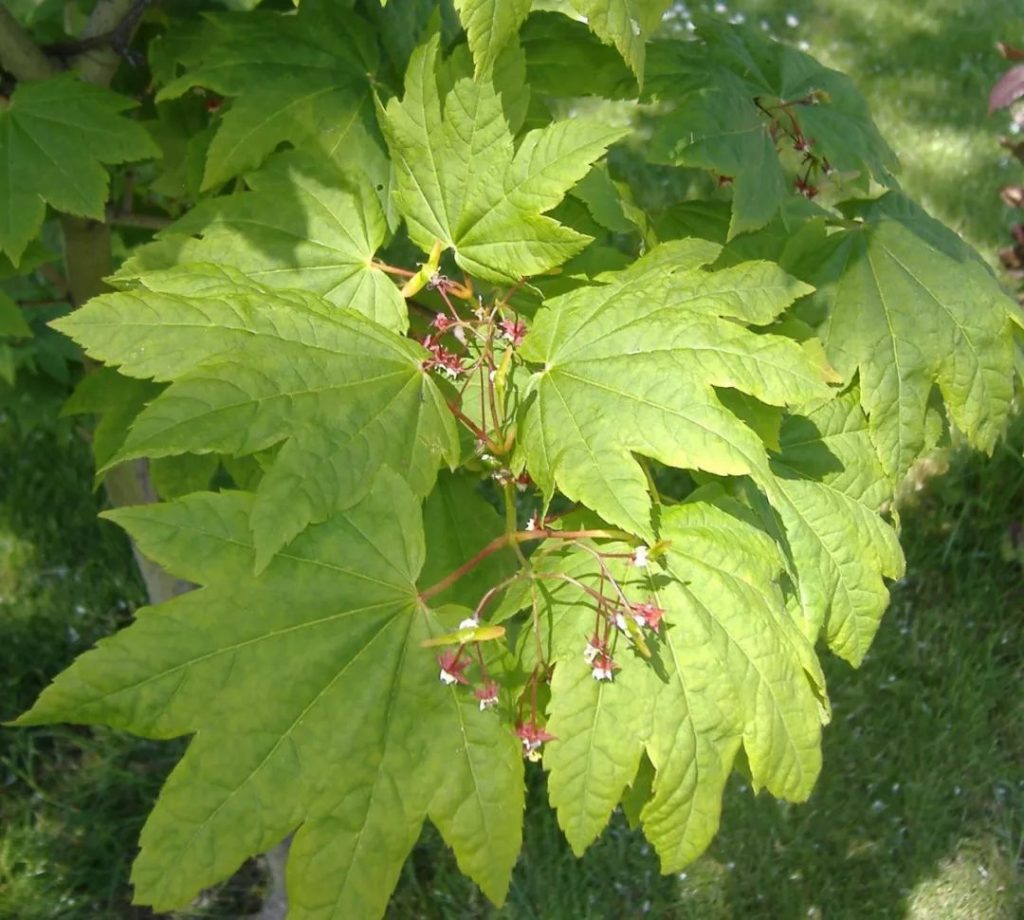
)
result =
(490, 25)
(726, 89)
(299, 78)
(631, 366)
(55, 137)
(462, 181)
(313, 707)
(254, 368)
(909, 307)
(627, 24)
(827, 489)
(303, 225)
(728, 668)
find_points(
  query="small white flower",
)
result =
(639, 558)
(469, 623)
(532, 523)
(447, 677)
(591, 652)
(792, 20)
(488, 702)
(620, 622)
(602, 673)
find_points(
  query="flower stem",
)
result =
(512, 539)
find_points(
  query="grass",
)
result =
(73, 799)
(920, 809)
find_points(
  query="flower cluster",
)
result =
(441, 359)
(514, 331)
(533, 737)
(453, 665)
(647, 614)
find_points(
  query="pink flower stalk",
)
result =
(452, 669)
(514, 331)
(532, 736)
(487, 695)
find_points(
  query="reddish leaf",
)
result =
(1009, 89)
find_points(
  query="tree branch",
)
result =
(112, 25)
(19, 55)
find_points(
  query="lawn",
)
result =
(920, 809)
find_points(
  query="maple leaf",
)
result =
(55, 137)
(304, 225)
(908, 307)
(458, 522)
(461, 180)
(490, 26)
(631, 366)
(728, 668)
(300, 79)
(116, 399)
(254, 368)
(727, 89)
(12, 320)
(564, 58)
(827, 490)
(313, 707)
(627, 24)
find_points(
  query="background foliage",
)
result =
(434, 891)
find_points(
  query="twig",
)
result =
(19, 55)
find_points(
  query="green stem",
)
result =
(512, 524)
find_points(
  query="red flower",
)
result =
(514, 331)
(442, 359)
(487, 695)
(452, 669)
(595, 646)
(603, 666)
(805, 188)
(532, 736)
(442, 322)
(648, 615)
